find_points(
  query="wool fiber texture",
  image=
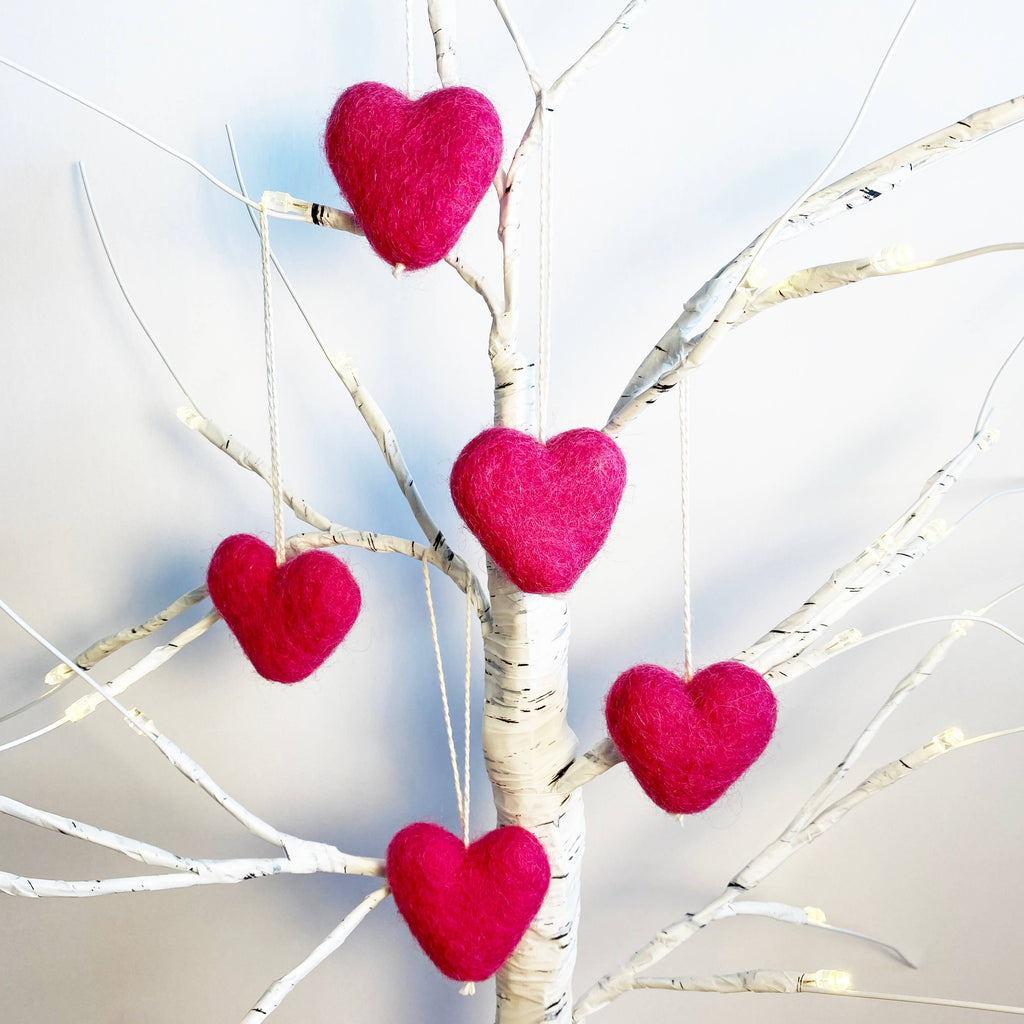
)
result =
(541, 511)
(413, 171)
(687, 743)
(467, 907)
(288, 619)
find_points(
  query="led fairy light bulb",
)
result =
(827, 981)
(814, 915)
(892, 258)
(950, 738)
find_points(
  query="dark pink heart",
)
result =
(414, 171)
(541, 511)
(687, 743)
(468, 907)
(288, 619)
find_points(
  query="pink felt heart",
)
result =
(467, 907)
(541, 511)
(414, 171)
(288, 619)
(687, 743)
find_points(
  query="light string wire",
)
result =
(275, 442)
(462, 801)
(544, 264)
(684, 522)
(409, 62)
(770, 235)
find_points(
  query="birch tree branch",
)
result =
(513, 390)
(814, 280)
(364, 402)
(275, 995)
(682, 349)
(439, 554)
(441, 14)
(623, 978)
(905, 540)
(784, 652)
(99, 650)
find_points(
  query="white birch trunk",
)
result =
(527, 745)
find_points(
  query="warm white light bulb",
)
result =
(950, 738)
(892, 258)
(829, 981)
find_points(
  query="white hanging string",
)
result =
(462, 800)
(466, 723)
(684, 480)
(544, 313)
(408, 49)
(268, 331)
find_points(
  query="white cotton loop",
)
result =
(463, 809)
(684, 478)
(268, 333)
(544, 348)
(409, 62)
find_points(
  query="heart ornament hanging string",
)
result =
(288, 615)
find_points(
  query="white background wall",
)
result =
(813, 427)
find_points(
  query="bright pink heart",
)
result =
(288, 619)
(467, 907)
(541, 511)
(686, 744)
(414, 171)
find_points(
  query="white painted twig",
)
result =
(785, 652)
(514, 404)
(275, 995)
(611, 35)
(909, 537)
(532, 71)
(623, 978)
(792, 983)
(441, 14)
(828, 276)
(301, 851)
(439, 553)
(96, 652)
(476, 281)
(782, 848)
(673, 355)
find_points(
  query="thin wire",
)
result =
(56, 688)
(33, 736)
(137, 131)
(995, 380)
(463, 817)
(927, 1000)
(684, 479)
(990, 736)
(468, 684)
(275, 443)
(544, 350)
(964, 617)
(124, 291)
(843, 146)
(984, 501)
(409, 63)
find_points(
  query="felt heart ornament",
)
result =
(467, 907)
(288, 618)
(687, 743)
(541, 511)
(413, 171)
